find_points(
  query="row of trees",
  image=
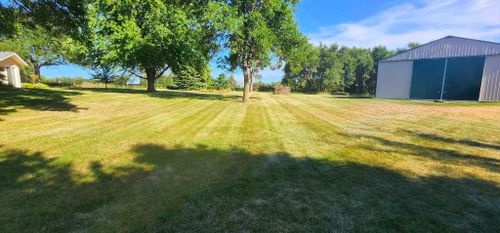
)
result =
(335, 69)
(170, 81)
(191, 80)
(148, 37)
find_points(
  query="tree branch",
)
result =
(139, 76)
(163, 71)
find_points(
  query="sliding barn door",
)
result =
(463, 78)
(427, 78)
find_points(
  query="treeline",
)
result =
(336, 69)
(148, 38)
(196, 81)
(169, 81)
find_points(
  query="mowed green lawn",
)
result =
(126, 161)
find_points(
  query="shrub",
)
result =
(65, 81)
(78, 81)
(35, 85)
(233, 85)
(280, 89)
(221, 82)
(167, 81)
(263, 87)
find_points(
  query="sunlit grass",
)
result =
(92, 160)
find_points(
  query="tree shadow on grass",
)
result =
(352, 97)
(202, 189)
(438, 153)
(465, 142)
(168, 94)
(36, 99)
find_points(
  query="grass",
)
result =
(94, 160)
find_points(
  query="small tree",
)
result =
(78, 81)
(255, 31)
(410, 45)
(190, 78)
(104, 74)
(167, 81)
(122, 80)
(232, 83)
(413, 44)
(221, 82)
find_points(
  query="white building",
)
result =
(451, 68)
(9, 69)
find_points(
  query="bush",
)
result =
(233, 85)
(65, 82)
(35, 85)
(263, 87)
(77, 81)
(167, 81)
(221, 82)
(280, 89)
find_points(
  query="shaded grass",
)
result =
(37, 99)
(120, 161)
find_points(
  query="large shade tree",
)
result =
(256, 31)
(8, 19)
(39, 46)
(149, 37)
(58, 16)
(42, 31)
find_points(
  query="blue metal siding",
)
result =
(463, 78)
(427, 77)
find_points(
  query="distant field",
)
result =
(92, 160)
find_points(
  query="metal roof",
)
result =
(5, 55)
(449, 46)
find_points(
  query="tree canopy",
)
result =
(333, 68)
(8, 21)
(60, 16)
(39, 46)
(254, 31)
(147, 36)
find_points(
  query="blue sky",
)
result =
(367, 23)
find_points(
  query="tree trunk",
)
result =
(36, 69)
(251, 83)
(151, 77)
(246, 82)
